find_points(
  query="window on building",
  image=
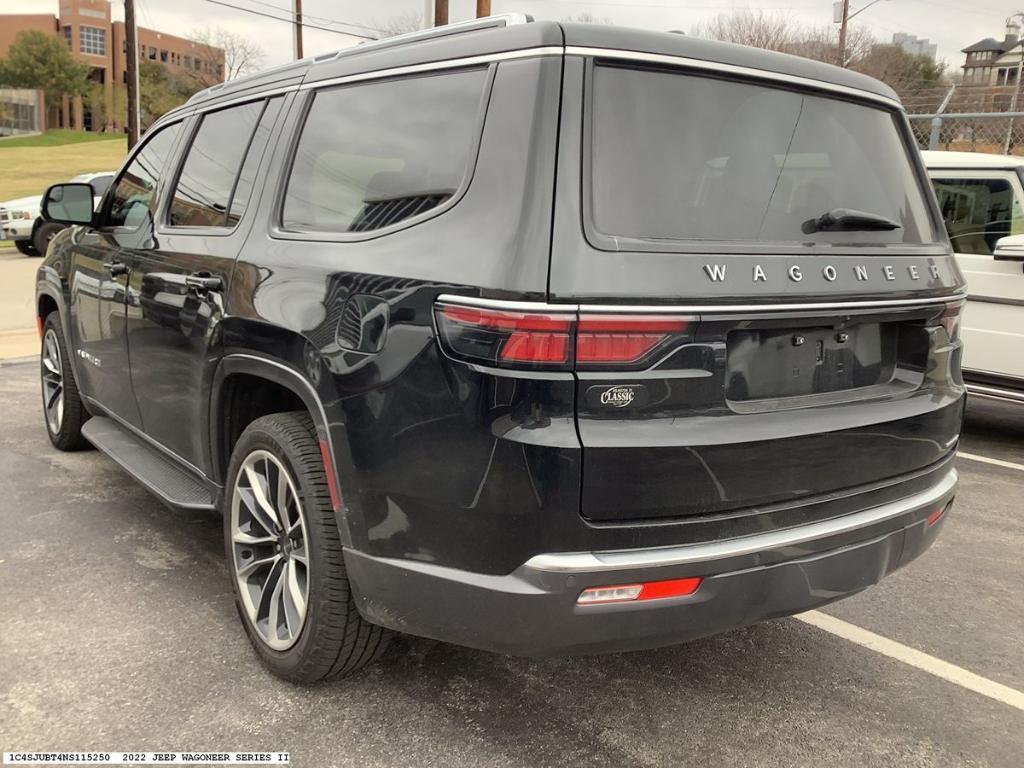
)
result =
(152, 53)
(66, 31)
(92, 40)
(202, 196)
(188, 62)
(373, 155)
(163, 56)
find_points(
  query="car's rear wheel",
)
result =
(63, 410)
(44, 234)
(26, 247)
(285, 556)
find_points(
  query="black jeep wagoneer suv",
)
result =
(531, 337)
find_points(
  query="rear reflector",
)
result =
(649, 590)
(935, 516)
(551, 339)
(332, 481)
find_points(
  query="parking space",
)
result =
(119, 633)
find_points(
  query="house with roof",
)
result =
(995, 62)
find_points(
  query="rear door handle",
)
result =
(116, 268)
(203, 282)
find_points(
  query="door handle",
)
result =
(203, 282)
(116, 268)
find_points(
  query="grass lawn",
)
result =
(28, 168)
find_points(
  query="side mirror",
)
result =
(1009, 248)
(69, 204)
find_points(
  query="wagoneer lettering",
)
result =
(431, 335)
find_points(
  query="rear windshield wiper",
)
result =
(847, 219)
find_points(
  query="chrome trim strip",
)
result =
(995, 393)
(694, 309)
(587, 562)
(995, 300)
(729, 69)
(468, 61)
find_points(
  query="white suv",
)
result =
(20, 220)
(982, 201)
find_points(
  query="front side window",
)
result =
(202, 195)
(678, 157)
(978, 212)
(373, 155)
(92, 40)
(134, 197)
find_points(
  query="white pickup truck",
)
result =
(982, 202)
(20, 220)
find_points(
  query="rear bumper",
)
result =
(533, 610)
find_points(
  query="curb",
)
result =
(5, 363)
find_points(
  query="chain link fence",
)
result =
(967, 118)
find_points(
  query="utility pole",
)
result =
(844, 20)
(132, 71)
(440, 13)
(298, 29)
(483, 8)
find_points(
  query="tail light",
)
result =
(648, 590)
(555, 340)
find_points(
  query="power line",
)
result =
(319, 19)
(291, 21)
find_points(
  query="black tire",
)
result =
(26, 247)
(44, 234)
(334, 639)
(66, 432)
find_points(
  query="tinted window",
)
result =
(203, 191)
(978, 212)
(100, 184)
(681, 157)
(247, 176)
(133, 200)
(373, 155)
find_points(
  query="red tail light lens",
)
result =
(648, 590)
(500, 337)
(607, 339)
(547, 339)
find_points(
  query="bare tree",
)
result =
(755, 28)
(588, 18)
(241, 55)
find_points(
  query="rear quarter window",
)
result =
(373, 155)
(679, 157)
(977, 212)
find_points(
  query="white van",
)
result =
(982, 201)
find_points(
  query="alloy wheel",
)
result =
(53, 382)
(270, 549)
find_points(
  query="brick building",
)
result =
(99, 41)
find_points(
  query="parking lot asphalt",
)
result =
(118, 632)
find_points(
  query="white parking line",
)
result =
(987, 460)
(915, 658)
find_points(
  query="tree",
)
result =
(758, 29)
(107, 116)
(400, 25)
(902, 71)
(242, 56)
(588, 18)
(160, 91)
(44, 62)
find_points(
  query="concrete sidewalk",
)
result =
(18, 334)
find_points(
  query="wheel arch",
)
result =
(285, 376)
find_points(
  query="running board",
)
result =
(996, 393)
(160, 474)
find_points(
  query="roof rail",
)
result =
(473, 25)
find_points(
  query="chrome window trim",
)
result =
(699, 309)
(430, 66)
(589, 562)
(731, 69)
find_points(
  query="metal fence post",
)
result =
(933, 139)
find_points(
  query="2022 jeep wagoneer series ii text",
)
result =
(531, 337)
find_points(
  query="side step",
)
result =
(995, 393)
(160, 474)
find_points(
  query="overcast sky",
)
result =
(953, 24)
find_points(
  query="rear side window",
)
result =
(133, 201)
(680, 157)
(202, 195)
(978, 212)
(373, 155)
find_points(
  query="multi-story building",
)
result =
(916, 46)
(96, 39)
(994, 62)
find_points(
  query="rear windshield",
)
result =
(682, 157)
